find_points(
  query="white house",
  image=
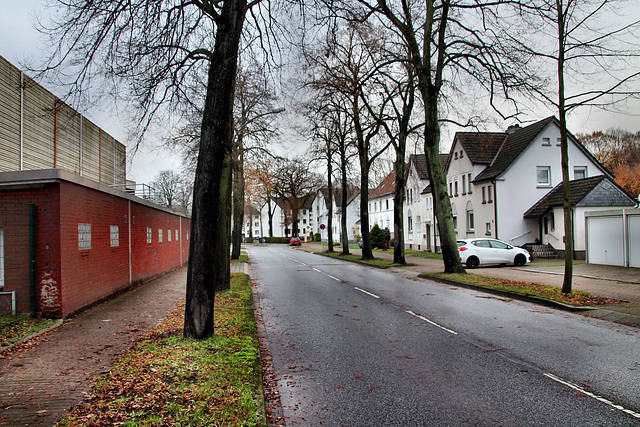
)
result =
(381, 203)
(504, 185)
(320, 209)
(420, 224)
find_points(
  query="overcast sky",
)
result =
(19, 41)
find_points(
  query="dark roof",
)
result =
(514, 144)
(480, 147)
(387, 186)
(596, 191)
(420, 162)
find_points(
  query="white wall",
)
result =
(517, 188)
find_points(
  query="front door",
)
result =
(545, 231)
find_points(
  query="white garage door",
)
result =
(605, 240)
(634, 240)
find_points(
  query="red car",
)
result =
(295, 241)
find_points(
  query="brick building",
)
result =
(69, 235)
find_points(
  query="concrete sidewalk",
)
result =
(607, 281)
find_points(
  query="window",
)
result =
(456, 187)
(543, 174)
(496, 244)
(168, 235)
(487, 229)
(489, 194)
(461, 153)
(115, 235)
(84, 237)
(470, 217)
(546, 141)
(454, 212)
(387, 204)
(187, 235)
(455, 156)
(469, 181)
(1, 258)
(304, 211)
(419, 224)
(160, 235)
(304, 220)
(149, 233)
(559, 142)
(484, 195)
(450, 189)
(410, 222)
(579, 172)
(464, 185)
(177, 236)
(552, 221)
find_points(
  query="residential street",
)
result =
(358, 346)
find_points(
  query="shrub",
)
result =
(278, 239)
(380, 238)
(316, 237)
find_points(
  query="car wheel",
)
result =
(473, 262)
(519, 261)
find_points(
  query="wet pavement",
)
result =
(619, 283)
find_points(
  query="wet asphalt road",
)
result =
(358, 346)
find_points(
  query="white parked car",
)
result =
(481, 251)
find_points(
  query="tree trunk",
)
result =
(441, 201)
(238, 200)
(344, 235)
(564, 152)
(330, 204)
(270, 213)
(398, 211)
(209, 263)
(367, 252)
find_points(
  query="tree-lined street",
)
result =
(353, 345)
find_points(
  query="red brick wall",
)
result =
(69, 279)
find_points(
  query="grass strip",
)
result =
(376, 262)
(14, 328)
(529, 289)
(169, 380)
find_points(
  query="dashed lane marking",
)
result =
(368, 293)
(432, 322)
(595, 396)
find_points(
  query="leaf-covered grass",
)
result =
(376, 262)
(14, 328)
(169, 380)
(242, 258)
(530, 289)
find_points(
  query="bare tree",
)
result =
(296, 185)
(252, 130)
(446, 43)
(596, 65)
(167, 185)
(343, 64)
(156, 47)
(263, 174)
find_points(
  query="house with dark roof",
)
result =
(381, 203)
(419, 225)
(505, 185)
(319, 211)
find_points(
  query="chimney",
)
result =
(511, 129)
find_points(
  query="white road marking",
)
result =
(334, 278)
(315, 269)
(368, 293)
(595, 396)
(432, 322)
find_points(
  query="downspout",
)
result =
(181, 239)
(495, 206)
(21, 120)
(129, 224)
